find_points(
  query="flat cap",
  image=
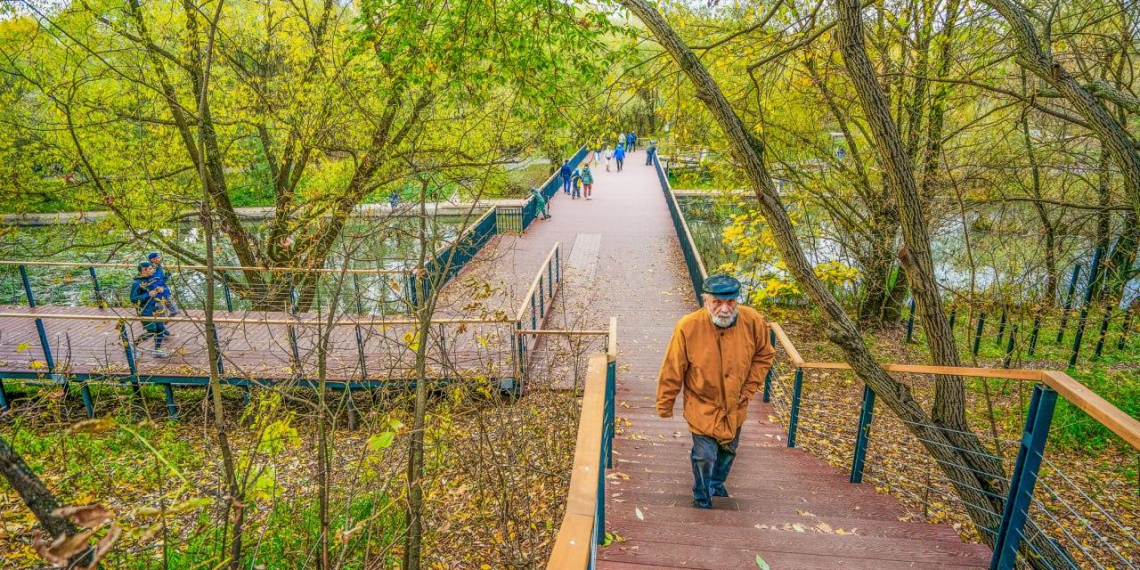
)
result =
(722, 286)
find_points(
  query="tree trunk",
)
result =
(32, 491)
(982, 470)
(984, 489)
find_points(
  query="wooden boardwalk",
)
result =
(254, 345)
(641, 279)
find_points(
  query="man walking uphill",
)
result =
(718, 355)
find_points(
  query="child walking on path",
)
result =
(542, 207)
(577, 184)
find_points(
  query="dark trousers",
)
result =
(620, 161)
(566, 185)
(158, 330)
(711, 464)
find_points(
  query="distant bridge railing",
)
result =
(693, 262)
(549, 188)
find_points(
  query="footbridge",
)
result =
(823, 479)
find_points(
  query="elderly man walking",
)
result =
(718, 355)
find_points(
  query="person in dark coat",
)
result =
(566, 173)
(159, 280)
(144, 295)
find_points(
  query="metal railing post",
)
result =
(45, 347)
(1001, 327)
(910, 323)
(1103, 331)
(226, 292)
(99, 300)
(794, 415)
(611, 412)
(1035, 333)
(768, 377)
(1084, 314)
(866, 413)
(1029, 456)
(1009, 347)
(978, 333)
(129, 350)
(1068, 303)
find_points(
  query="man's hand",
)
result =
(152, 292)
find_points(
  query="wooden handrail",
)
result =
(1111, 417)
(537, 278)
(559, 332)
(575, 538)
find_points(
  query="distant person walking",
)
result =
(144, 296)
(631, 138)
(587, 181)
(619, 156)
(598, 153)
(566, 173)
(577, 184)
(609, 156)
(650, 152)
(542, 207)
(718, 357)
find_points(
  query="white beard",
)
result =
(723, 321)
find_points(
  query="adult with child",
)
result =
(166, 296)
(619, 156)
(587, 181)
(566, 173)
(577, 184)
(145, 295)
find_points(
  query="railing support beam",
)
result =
(1024, 478)
(863, 434)
(794, 415)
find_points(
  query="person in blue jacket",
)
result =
(632, 141)
(159, 280)
(144, 293)
(619, 156)
(566, 173)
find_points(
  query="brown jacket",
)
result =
(717, 368)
